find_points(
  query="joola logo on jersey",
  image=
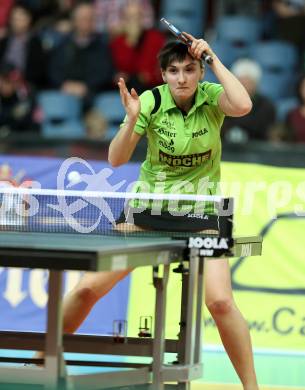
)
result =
(199, 133)
(190, 160)
(166, 133)
(169, 146)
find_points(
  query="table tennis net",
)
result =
(107, 213)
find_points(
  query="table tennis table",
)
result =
(58, 252)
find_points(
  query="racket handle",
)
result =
(207, 58)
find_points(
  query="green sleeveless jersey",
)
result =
(184, 151)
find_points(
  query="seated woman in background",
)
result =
(296, 117)
(135, 50)
(108, 16)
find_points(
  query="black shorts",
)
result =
(167, 222)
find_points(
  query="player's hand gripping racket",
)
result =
(179, 35)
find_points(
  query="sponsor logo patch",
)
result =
(189, 160)
(167, 145)
(199, 133)
(210, 246)
(167, 133)
(208, 243)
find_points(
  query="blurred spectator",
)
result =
(22, 50)
(109, 15)
(257, 124)
(47, 11)
(289, 21)
(54, 33)
(296, 117)
(51, 20)
(5, 8)
(287, 8)
(16, 102)
(135, 50)
(82, 64)
(63, 24)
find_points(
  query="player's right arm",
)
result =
(125, 141)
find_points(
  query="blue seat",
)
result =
(277, 85)
(278, 61)
(185, 21)
(190, 7)
(61, 115)
(238, 29)
(275, 56)
(283, 106)
(227, 52)
(110, 106)
(169, 7)
(72, 129)
(188, 15)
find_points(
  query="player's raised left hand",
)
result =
(130, 100)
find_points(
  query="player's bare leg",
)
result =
(231, 325)
(79, 301)
(92, 287)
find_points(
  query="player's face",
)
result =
(183, 77)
